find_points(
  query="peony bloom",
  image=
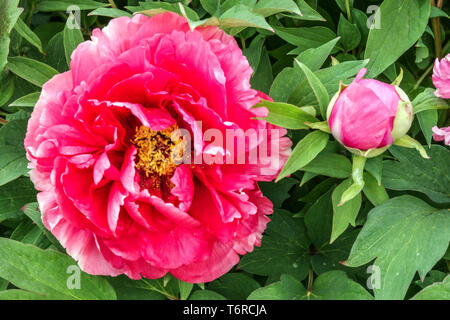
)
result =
(101, 143)
(441, 77)
(368, 115)
(442, 134)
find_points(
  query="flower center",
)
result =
(158, 151)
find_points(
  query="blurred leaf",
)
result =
(402, 24)
(31, 70)
(417, 237)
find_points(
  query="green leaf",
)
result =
(288, 288)
(16, 294)
(185, 289)
(308, 13)
(31, 70)
(284, 249)
(271, 7)
(318, 220)
(426, 100)
(9, 13)
(109, 12)
(14, 195)
(412, 172)
(6, 89)
(13, 163)
(374, 192)
(305, 151)
(234, 286)
(330, 165)
(62, 5)
(286, 115)
(306, 38)
(427, 120)
(336, 285)
(243, 16)
(46, 272)
(26, 101)
(318, 88)
(210, 6)
(402, 23)
(349, 33)
(375, 167)
(345, 214)
(206, 295)
(301, 94)
(404, 234)
(31, 210)
(436, 291)
(262, 77)
(72, 38)
(314, 58)
(28, 34)
(127, 289)
(277, 192)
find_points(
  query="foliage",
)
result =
(299, 50)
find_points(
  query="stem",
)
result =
(310, 281)
(437, 31)
(113, 5)
(243, 43)
(347, 7)
(423, 76)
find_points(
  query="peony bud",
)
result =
(368, 115)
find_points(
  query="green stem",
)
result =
(310, 281)
(112, 3)
(437, 31)
(423, 76)
(347, 7)
(359, 163)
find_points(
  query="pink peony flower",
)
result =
(368, 115)
(442, 134)
(101, 143)
(441, 77)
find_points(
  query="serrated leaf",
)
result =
(305, 151)
(45, 272)
(402, 24)
(403, 235)
(31, 70)
(412, 172)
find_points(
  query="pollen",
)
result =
(158, 151)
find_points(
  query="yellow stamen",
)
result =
(158, 151)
